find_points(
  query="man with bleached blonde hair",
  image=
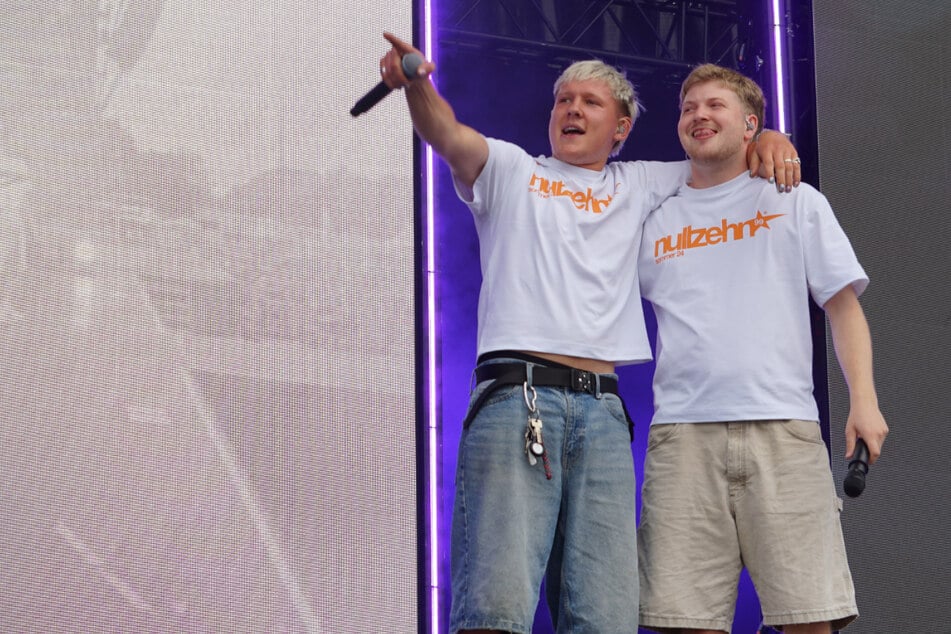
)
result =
(545, 480)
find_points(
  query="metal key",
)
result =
(529, 440)
(534, 425)
(537, 446)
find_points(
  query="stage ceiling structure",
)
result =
(659, 40)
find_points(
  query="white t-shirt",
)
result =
(729, 270)
(558, 247)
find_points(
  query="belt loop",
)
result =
(528, 374)
(472, 380)
(597, 386)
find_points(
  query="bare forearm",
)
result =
(435, 121)
(464, 149)
(853, 346)
(853, 349)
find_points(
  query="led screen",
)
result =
(206, 320)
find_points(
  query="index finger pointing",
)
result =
(401, 46)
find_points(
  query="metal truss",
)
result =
(649, 36)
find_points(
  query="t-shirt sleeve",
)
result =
(503, 161)
(663, 179)
(831, 263)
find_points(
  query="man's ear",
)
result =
(752, 125)
(623, 128)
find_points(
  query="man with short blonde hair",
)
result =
(737, 473)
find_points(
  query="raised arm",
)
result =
(464, 149)
(853, 349)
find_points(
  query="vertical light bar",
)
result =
(777, 24)
(431, 342)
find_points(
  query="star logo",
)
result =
(762, 220)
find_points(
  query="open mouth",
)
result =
(572, 130)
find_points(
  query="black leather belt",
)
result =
(516, 373)
(572, 378)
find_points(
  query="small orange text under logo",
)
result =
(584, 201)
(690, 237)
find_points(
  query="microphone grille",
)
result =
(411, 63)
(854, 484)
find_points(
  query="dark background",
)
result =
(883, 86)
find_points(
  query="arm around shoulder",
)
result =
(772, 156)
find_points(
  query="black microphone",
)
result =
(854, 482)
(410, 62)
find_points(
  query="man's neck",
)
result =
(704, 176)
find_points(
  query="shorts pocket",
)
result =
(499, 394)
(806, 430)
(615, 407)
(659, 434)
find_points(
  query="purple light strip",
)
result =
(432, 445)
(776, 19)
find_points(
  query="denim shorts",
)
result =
(512, 526)
(718, 496)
